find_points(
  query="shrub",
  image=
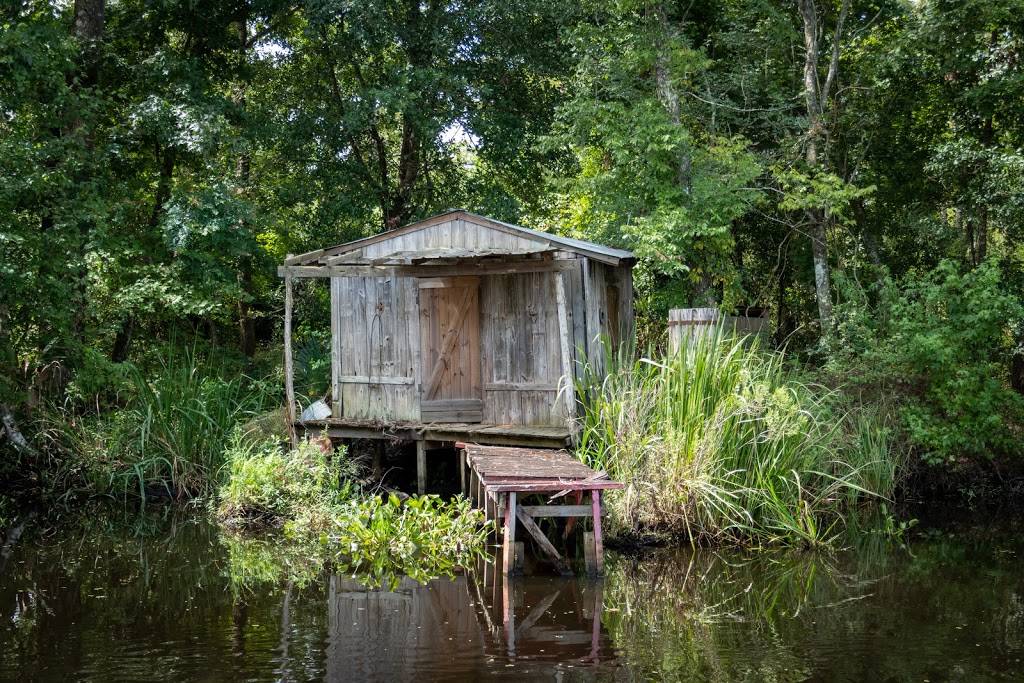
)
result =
(719, 444)
(937, 344)
(267, 485)
(326, 519)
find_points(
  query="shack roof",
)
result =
(529, 242)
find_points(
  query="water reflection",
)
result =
(160, 599)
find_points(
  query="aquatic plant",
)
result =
(720, 444)
(327, 520)
(269, 486)
(378, 541)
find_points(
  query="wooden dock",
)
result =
(498, 478)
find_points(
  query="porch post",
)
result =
(568, 375)
(289, 383)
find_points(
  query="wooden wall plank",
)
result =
(336, 364)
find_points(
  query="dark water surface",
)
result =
(166, 598)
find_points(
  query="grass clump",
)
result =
(718, 443)
(168, 437)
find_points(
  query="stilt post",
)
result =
(595, 502)
(289, 380)
(421, 467)
(508, 542)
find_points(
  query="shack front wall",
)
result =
(454, 233)
(376, 354)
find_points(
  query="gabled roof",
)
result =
(544, 242)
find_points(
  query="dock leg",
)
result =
(520, 557)
(595, 502)
(421, 467)
(589, 556)
(462, 471)
(509, 541)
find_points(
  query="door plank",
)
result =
(451, 338)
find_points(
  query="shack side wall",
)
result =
(602, 312)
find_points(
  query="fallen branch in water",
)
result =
(12, 537)
(14, 435)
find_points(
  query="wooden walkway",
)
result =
(497, 477)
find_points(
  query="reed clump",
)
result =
(718, 443)
(168, 437)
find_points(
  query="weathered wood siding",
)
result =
(377, 370)
(456, 233)
(602, 311)
(522, 358)
(376, 347)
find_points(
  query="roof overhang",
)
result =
(545, 242)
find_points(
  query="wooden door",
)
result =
(451, 389)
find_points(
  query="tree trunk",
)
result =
(9, 427)
(246, 322)
(816, 99)
(123, 340)
(87, 29)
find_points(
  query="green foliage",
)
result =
(380, 541)
(327, 520)
(651, 174)
(151, 181)
(937, 342)
(719, 444)
(167, 439)
(266, 485)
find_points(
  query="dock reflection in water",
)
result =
(475, 625)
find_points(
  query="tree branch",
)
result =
(833, 67)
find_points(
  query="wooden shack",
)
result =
(463, 328)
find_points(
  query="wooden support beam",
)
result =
(462, 471)
(421, 467)
(542, 540)
(558, 486)
(595, 502)
(426, 270)
(557, 510)
(366, 379)
(510, 534)
(568, 375)
(289, 380)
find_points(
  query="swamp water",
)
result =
(169, 598)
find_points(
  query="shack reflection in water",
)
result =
(162, 598)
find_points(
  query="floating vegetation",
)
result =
(326, 520)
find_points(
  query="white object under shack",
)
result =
(317, 410)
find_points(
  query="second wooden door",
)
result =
(451, 389)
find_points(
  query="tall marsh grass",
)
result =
(720, 444)
(169, 437)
